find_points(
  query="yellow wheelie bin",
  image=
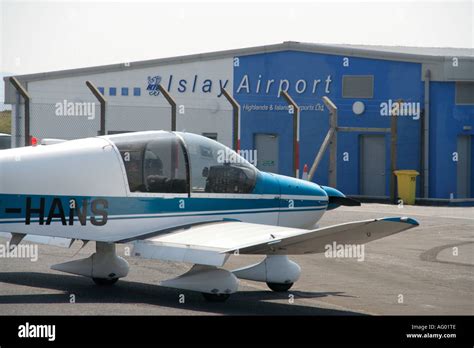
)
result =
(406, 182)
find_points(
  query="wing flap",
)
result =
(316, 241)
(206, 244)
(48, 240)
(211, 244)
(178, 253)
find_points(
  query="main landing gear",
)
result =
(104, 267)
(215, 297)
(277, 271)
(105, 281)
(279, 287)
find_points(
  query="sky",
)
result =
(40, 36)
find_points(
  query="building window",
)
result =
(465, 93)
(112, 91)
(358, 86)
(212, 136)
(137, 92)
(101, 90)
(125, 91)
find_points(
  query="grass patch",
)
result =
(6, 121)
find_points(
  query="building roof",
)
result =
(431, 56)
(417, 51)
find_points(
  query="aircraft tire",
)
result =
(105, 281)
(215, 297)
(279, 287)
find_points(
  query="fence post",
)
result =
(26, 96)
(296, 133)
(172, 103)
(393, 157)
(235, 119)
(100, 97)
(333, 142)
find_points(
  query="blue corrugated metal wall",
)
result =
(447, 122)
(392, 80)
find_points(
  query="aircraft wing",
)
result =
(38, 239)
(212, 243)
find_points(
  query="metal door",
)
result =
(464, 167)
(372, 165)
(267, 152)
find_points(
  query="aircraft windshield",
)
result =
(217, 169)
(154, 162)
(158, 162)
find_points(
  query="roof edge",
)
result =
(287, 45)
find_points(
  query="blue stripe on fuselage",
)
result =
(142, 207)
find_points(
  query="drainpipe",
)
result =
(426, 135)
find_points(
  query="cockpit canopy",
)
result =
(166, 162)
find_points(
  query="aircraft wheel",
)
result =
(105, 281)
(215, 297)
(278, 287)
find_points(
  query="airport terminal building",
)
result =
(430, 91)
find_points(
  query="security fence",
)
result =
(63, 120)
(80, 115)
(74, 120)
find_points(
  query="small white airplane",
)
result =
(173, 196)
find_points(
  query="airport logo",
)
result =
(153, 83)
(184, 85)
(37, 331)
(345, 251)
(400, 108)
(246, 85)
(22, 251)
(75, 109)
(250, 85)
